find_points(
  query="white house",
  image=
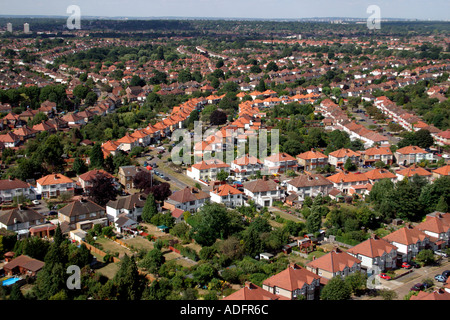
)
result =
(375, 253)
(13, 188)
(309, 185)
(207, 170)
(131, 206)
(227, 195)
(53, 185)
(245, 166)
(263, 192)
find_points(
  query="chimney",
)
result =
(375, 237)
(249, 285)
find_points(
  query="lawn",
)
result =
(139, 243)
(109, 270)
(112, 247)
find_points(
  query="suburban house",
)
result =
(86, 179)
(334, 263)
(227, 195)
(20, 219)
(127, 142)
(23, 265)
(263, 192)
(246, 166)
(411, 154)
(53, 185)
(126, 175)
(187, 199)
(13, 188)
(437, 225)
(375, 175)
(375, 253)
(343, 181)
(309, 185)
(443, 138)
(409, 241)
(207, 170)
(251, 291)
(279, 163)
(375, 154)
(412, 171)
(339, 157)
(441, 172)
(82, 214)
(311, 160)
(131, 205)
(293, 282)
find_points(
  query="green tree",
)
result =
(153, 260)
(150, 209)
(79, 166)
(336, 289)
(96, 156)
(426, 256)
(222, 175)
(128, 282)
(212, 222)
(16, 293)
(314, 220)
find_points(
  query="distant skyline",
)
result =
(260, 9)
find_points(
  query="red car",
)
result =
(384, 276)
(406, 265)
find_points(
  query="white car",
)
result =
(36, 202)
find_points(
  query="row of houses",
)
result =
(371, 256)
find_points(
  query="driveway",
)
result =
(402, 285)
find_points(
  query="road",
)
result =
(162, 167)
(402, 285)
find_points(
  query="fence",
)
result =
(99, 252)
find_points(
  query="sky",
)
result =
(263, 9)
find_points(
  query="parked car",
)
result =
(417, 287)
(154, 165)
(166, 178)
(441, 253)
(440, 278)
(36, 202)
(414, 265)
(406, 265)
(385, 276)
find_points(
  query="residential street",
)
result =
(402, 285)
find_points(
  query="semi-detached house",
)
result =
(53, 185)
